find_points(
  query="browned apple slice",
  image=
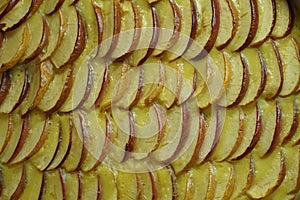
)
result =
(53, 186)
(57, 90)
(13, 187)
(76, 153)
(251, 132)
(72, 185)
(284, 19)
(225, 178)
(244, 173)
(57, 26)
(90, 186)
(271, 127)
(108, 184)
(13, 47)
(231, 134)
(239, 82)
(39, 32)
(51, 7)
(290, 65)
(169, 24)
(44, 156)
(32, 137)
(34, 183)
(228, 18)
(130, 31)
(7, 6)
(267, 179)
(185, 16)
(6, 130)
(147, 25)
(17, 15)
(274, 70)
(64, 51)
(5, 85)
(290, 184)
(127, 185)
(254, 62)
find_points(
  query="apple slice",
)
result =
(17, 15)
(169, 24)
(52, 6)
(225, 178)
(290, 184)
(228, 18)
(266, 21)
(251, 131)
(13, 47)
(231, 135)
(3, 6)
(274, 70)
(7, 7)
(12, 187)
(145, 187)
(267, 180)
(183, 185)
(254, 62)
(39, 32)
(72, 185)
(53, 187)
(185, 31)
(57, 90)
(90, 186)
(34, 183)
(5, 85)
(32, 137)
(130, 31)
(6, 130)
(147, 35)
(239, 82)
(244, 171)
(109, 188)
(57, 27)
(165, 183)
(271, 127)
(284, 19)
(72, 34)
(44, 156)
(127, 185)
(290, 65)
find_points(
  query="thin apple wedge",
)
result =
(34, 183)
(6, 130)
(90, 186)
(7, 7)
(267, 180)
(165, 183)
(52, 6)
(108, 184)
(184, 184)
(127, 185)
(284, 19)
(17, 15)
(32, 137)
(57, 90)
(13, 47)
(5, 85)
(231, 134)
(72, 185)
(145, 186)
(244, 171)
(290, 65)
(12, 187)
(53, 187)
(254, 62)
(43, 157)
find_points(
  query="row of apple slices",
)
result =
(246, 178)
(78, 30)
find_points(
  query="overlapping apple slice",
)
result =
(13, 186)
(145, 187)
(72, 185)
(51, 7)
(90, 186)
(108, 182)
(165, 182)
(6, 130)
(5, 85)
(284, 19)
(126, 185)
(13, 47)
(53, 186)
(3, 5)
(267, 179)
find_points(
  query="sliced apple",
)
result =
(32, 137)
(145, 187)
(17, 15)
(34, 183)
(72, 185)
(52, 6)
(251, 132)
(231, 135)
(13, 47)
(126, 185)
(267, 180)
(90, 186)
(53, 187)
(183, 184)
(3, 6)
(165, 183)
(6, 129)
(57, 91)
(271, 127)
(44, 156)
(290, 65)
(227, 25)
(147, 26)
(244, 170)
(12, 187)
(5, 85)
(253, 61)
(284, 19)
(109, 188)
